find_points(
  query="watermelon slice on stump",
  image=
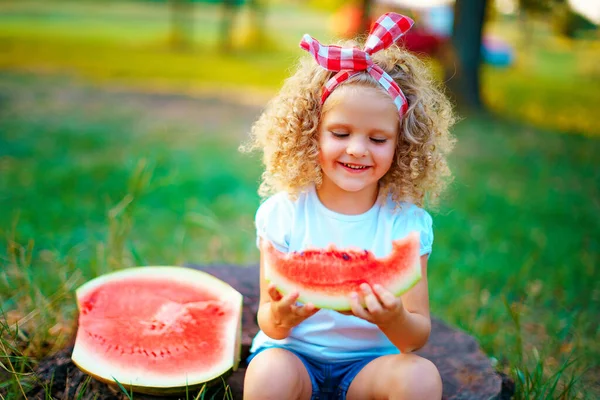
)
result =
(158, 330)
(327, 277)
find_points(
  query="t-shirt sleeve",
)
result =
(416, 219)
(273, 221)
(424, 224)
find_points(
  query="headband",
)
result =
(350, 61)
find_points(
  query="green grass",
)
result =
(127, 42)
(519, 237)
(94, 178)
(553, 82)
(189, 191)
(87, 187)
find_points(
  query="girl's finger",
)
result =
(314, 311)
(274, 293)
(289, 300)
(357, 308)
(371, 300)
(386, 297)
(306, 310)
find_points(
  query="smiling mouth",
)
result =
(355, 166)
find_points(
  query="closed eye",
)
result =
(379, 141)
(340, 135)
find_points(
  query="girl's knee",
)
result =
(276, 374)
(418, 379)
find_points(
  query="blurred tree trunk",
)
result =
(526, 28)
(257, 37)
(365, 18)
(462, 72)
(182, 23)
(257, 14)
(229, 11)
(529, 11)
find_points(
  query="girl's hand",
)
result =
(381, 307)
(286, 314)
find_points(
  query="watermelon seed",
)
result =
(345, 256)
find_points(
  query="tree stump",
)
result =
(466, 372)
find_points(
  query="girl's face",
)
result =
(357, 139)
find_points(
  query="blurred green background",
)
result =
(120, 123)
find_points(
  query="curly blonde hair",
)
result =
(287, 130)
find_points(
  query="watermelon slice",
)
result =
(158, 330)
(327, 277)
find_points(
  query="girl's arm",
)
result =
(278, 314)
(266, 322)
(410, 330)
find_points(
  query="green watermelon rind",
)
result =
(190, 384)
(158, 390)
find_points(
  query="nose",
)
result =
(357, 147)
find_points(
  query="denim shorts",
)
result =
(329, 380)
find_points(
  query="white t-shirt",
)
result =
(306, 222)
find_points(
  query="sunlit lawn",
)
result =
(128, 42)
(96, 177)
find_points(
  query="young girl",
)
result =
(353, 144)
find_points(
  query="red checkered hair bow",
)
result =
(351, 61)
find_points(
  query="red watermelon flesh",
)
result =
(327, 277)
(158, 329)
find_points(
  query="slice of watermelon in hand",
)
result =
(328, 277)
